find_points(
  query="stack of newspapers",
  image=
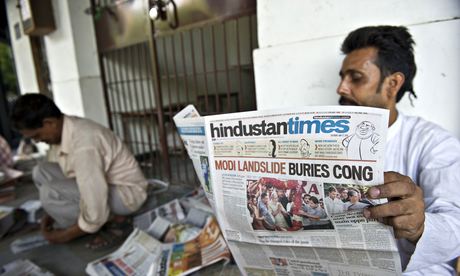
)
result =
(177, 238)
(288, 187)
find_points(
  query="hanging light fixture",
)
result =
(159, 11)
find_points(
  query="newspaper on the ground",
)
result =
(23, 267)
(28, 243)
(288, 187)
(172, 211)
(134, 257)
(180, 248)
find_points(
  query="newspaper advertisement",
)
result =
(288, 182)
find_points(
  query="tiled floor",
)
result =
(71, 259)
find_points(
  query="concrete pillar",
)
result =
(72, 59)
(20, 43)
(73, 62)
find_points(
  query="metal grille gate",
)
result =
(209, 66)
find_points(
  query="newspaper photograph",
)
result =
(298, 178)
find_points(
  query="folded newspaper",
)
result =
(288, 187)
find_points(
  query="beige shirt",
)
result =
(97, 158)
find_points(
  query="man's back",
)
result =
(80, 135)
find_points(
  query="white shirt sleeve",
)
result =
(94, 189)
(440, 241)
(431, 157)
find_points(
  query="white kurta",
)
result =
(431, 157)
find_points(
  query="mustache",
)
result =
(346, 101)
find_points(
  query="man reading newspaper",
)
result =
(422, 159)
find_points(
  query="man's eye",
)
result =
(356, 77)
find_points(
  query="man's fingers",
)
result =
(390, 209)
(396, 185)
(395, 208)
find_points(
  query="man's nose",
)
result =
(343, 88)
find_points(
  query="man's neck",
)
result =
(393, 116)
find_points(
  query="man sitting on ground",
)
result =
(96, 181)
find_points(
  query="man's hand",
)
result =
(405, 210)
(59, 235)
(46, 223)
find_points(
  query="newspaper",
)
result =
(23, 267)
(28, 243)
(288, 187)
(180, 248)
(172, 211)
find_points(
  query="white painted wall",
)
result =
(72, 59)
(299, 58)
(22, 51)
(73, 62)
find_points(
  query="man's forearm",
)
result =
(63, 235)
(75, 231)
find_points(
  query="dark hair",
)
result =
(29, 111)
(314, 199)
(395, 52)
(352, 193)
(331, 189)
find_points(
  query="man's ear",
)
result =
(395, 81)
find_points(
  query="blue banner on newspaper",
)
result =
(191, 131)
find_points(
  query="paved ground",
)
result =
(71, 259)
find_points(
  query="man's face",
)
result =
(49, 133)
(364, 130)
(280, 193)
(304, 146)
(312, 204)
(270, 190)
(360, 79)
(265, 200)
(332, 194)
(344, 194)
(354, 198)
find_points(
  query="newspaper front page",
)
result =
(288, 187)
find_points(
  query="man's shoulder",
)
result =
(422, 128)
(424, 139)
(87, 133)
(80, 123)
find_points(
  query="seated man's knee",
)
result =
(37, 171)
(40, 172)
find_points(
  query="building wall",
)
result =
(22, 52)
(299, 59)
(73, 62)
(72, 59)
